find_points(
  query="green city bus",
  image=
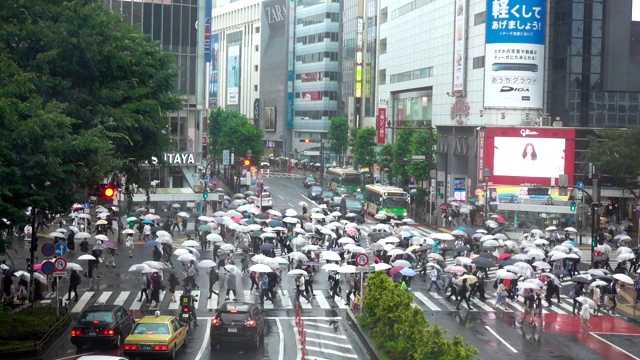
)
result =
(390, 199)
(347, 178)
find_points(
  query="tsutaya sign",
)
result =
(176, 159)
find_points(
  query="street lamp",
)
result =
(486, 174)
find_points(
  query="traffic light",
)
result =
(246, 162)
(205, 193)
(107, 191)
(305, 141)
(573, 206)
(594, 243)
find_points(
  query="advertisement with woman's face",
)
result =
(527, 157)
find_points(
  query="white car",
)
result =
(265, 202)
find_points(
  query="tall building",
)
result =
(235, 77)
(317, 71)
(173, 24)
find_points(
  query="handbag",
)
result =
(572, 294)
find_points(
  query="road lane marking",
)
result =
(426, 301)
(319, 296)
(82, 302)
(501, 339)
(444, 301)
(341, 304)
(615, 346)
(212, 303)
(318, 324)
(297, 338)
(103, 298)
(286, 300)
(482, 305)
(205, 343)
(174, 305)
(122, 298)
(309, 200)
(328, 351)
(325, 334)
(281, 197)
(328, 342)
(281, 344)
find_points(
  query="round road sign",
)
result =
(48, 249)
(362, 259)
(260, 176)
(48, 268)
(60, 264)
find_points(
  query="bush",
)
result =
(401, 330)
(27, 326)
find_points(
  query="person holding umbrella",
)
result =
(156, 285)
(576, 292)
(129, 244)
(145, 283)
(300, 288)
(173, 283)
(231, 285)
(552, 289)
(71, 244)
(111, 259)
(213, 278)
(463, 290)
(74, 281)
(585, 315)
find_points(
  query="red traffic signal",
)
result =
(305, 140)
(107, 191)
(246, 162)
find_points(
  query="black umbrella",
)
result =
(599, 258)
(486, 248)
(375, 236)
(496, 230)
(482, 262)
(608, 279)
(424, 248)
(261, 216)
(506, 262)
(243, 247)
(486, 255)
(581, 280)
(266, 247)
(462, 248)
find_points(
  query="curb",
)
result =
(370, 348)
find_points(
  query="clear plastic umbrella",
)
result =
(191, 243)
(138, 267)
(330, 255)
(206, 263)
(296, 255)
(260, 268)
(186, 258)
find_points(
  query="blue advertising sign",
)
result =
(516, 21)
(207, 179)
(207, 31)
(514, 54)
(213, 71)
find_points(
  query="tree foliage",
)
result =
(402, 331)
(423, 142)
(81, 95)
(363, 143)
(230, 129)
(612, 152)
(338, 134)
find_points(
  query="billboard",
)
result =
(213, 72)
(635, 10)
(207, 31)
(459, 46)
(529, 155)
(382, 121)
(514, 54)
(233, 74)
(270, 118)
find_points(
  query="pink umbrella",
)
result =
(457, 269)
(37, 266)
(110, 245)
(352, 231)
(504, 256)
(500, 219)
(236, 219)
(395, 270)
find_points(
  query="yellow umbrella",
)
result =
(470, 279)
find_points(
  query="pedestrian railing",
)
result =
(302, 333)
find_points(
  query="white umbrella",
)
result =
(625, 257)
(268, 235)
(258, 258)
(586, 301)
(74, 266)
(86, 257)
(155, 264)
(290, 213)
(183, 214)
(492, 243)
(213, 237)
(354, 249)
(529, 285)
(317, 216)
(310, 248)
(540, 242)
(232, 269)
(380, 216)
(149, 271)
(482, 231)
(138, 267)
(56, 234)
(536, 253)
(435, 256)
(228, 247)
(491, 223)
(281, 260)
(297, 272)
(296, 255)
(541, 265)
(570, 229)
(603, 248)
(624, 278)
(164, 240)
(389, 239)
(487, 237)
(561, 249)
(394, 252)
(346, 240)
(61, 230)
(260, 268)
(206, 263)
(624, 250)
(598, 283)
(458, 233)
(191, 243)
(442, 236)
(403, 263)
(162, 233)
(381, 267)
(330, 267)
(348, 269)
(558, 256)
(299, 231)
(462, 260)
(186, 258)
(83, 235)
(536, 232)
(524, 257)
(290, 220)
(551, 228)
(597, 272)
(330, 255)
(128, 231)
(504, 274)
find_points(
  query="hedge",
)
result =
(401, 330)
(27, 326)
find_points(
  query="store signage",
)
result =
(176, 159)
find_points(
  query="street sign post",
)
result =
(48, 268)
(260, 177)
(60, 274)
(207, 179)
(61, 249)
(226, 157)
(362, 259)
(48, 249)
(60, 264)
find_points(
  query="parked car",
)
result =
(102, 324)
(157, 336)
(327, 196)
(309, 181)
(238, 322)
(314, 192)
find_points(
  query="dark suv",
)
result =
(238, 322)
(102, 324)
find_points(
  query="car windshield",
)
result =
(311, 178)
(354, 204)
(316, 189)
(351, 180)
(395, 202)
(99, 316)
(328, 194)
(358, 196)
(151, 329)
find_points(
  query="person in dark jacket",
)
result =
(84, 246)
(552, 289)
(156, 286)
(213, 278)
(71, 243)
(74, 281)
(173, 283)
(578, 290)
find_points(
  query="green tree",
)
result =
(401, 151)
(338, 135)
(230, 129)
(422, 143)
(611, 152)
(76, 101)
(363, 143)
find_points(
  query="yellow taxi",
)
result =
(155, 337)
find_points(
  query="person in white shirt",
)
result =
(435, 279)
(147, 232)
(585, 315)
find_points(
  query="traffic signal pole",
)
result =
(34, 246)
(594, 218)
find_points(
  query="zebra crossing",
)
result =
(283, 175)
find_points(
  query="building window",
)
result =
(478, 62)
(383, 15)
(257, 47)
(383, 46)
(411, 75)
(255, 67)
(255, 87)
(480, 18)
(382, 76)
(257, 29)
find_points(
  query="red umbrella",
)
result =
(500, 219)
(236, 219)
(443, 207)
(395, 270)
(504, 256)
(378, 260)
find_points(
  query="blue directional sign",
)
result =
(207, 179)
(580, 185)
(48, 267)
(61, 249)
(48, 249)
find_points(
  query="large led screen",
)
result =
(528, 157)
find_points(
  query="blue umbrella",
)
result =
(406, 234)
(274, 223)
(407, 272)
(478, 235)
(151, 243)
(147, 221)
